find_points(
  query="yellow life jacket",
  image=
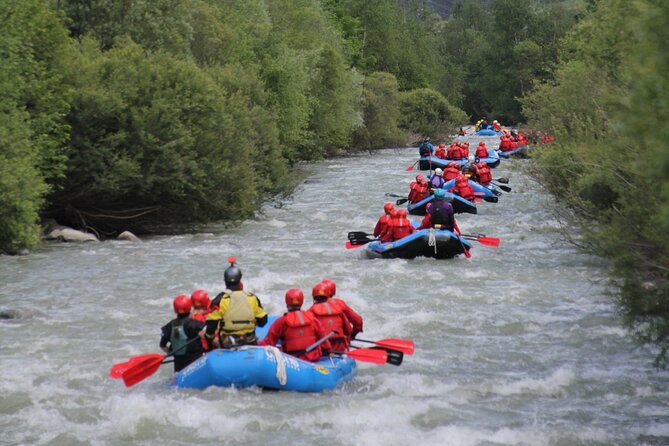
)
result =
(239, 317)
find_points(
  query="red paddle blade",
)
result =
(117, 370)
(349, 245)
(410, 168)
(403, 345)
(369, 355)
(490, 241)
(142, 369)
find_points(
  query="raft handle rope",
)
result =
(280, 365)
(432, 240)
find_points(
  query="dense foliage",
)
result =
(607, 105)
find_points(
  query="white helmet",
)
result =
(471, 158)
(438, 172)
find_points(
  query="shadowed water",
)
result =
(518, 345)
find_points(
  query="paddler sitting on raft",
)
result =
(234, 313)
(297, 330)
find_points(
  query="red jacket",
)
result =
(354, 318)
(397, 229)
(482, 152)
(381, 225)
(331, 316)
(484, 174)
(298, 330)
(417, 191)
(440, 153)
(451, 172)
(463, 188)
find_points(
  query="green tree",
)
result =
(381, 113)
(33, 45)
(427, 112)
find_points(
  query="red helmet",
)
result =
(402, 213)
(420, 177)
(454, 164)
(181, 304)
(388, 207)
(200, 298)
(332, 287)
(461, 179)
(294, 297)
(482, 143)
(320, 290)
(442, 145)
(393, 213)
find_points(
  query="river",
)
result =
(517, 345)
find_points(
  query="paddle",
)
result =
(481, 238)
(502, 180)
(141, 367)
(367, 355)
(401, 201)
(410, 168)
(357, 238)
(487, 198)
(395, 357)
(402, 345)
(501, 186)
(459, 234)
(389, 194)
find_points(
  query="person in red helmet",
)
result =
(452, 170)
(463, 188)
(381, 225)
(417, 189)
(483, 174)
(354, 318)
(332, 316)
(297, 330)
(482, 151)
(200, 300)
(399, 227)
(441, 151)
(177, 335)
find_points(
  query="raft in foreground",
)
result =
(443, 244)
(267, 367)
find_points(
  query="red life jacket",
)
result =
(300, 332)
(332, 317)
(464, 153)
(485, 176)
(401, 227)
(454, 153)
(451, 172)
(481, 152)
(440, 153)
(417, 192)
(504, 143)
(463, 188)
(381, 225)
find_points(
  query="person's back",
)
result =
(439, 213)
(425, 148)
(384, 220)
(353, 317)
(484, 175)
(180, 336)
(437, 180)
(481, 151)
(417, 190)
(297, 330)
(400, 227)
(463, 188)
(331, 316)
(452, 171)
(234, 313)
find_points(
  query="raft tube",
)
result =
(446, 245)
(432, 162)
(489, 132)
(520, 152)
(460, 205)
(489, 190)
(266, 367)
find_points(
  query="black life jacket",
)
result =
(441, 213)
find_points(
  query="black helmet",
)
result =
(232, 274)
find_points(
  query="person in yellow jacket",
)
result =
(234, 313)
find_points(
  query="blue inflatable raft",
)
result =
(488, 193)
(432, 162)
(441, 244)
(460, 205)
(488, 132)
(266, 367)
(520, 152)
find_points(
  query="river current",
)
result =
(517, 345)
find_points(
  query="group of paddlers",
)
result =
(230, 320)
